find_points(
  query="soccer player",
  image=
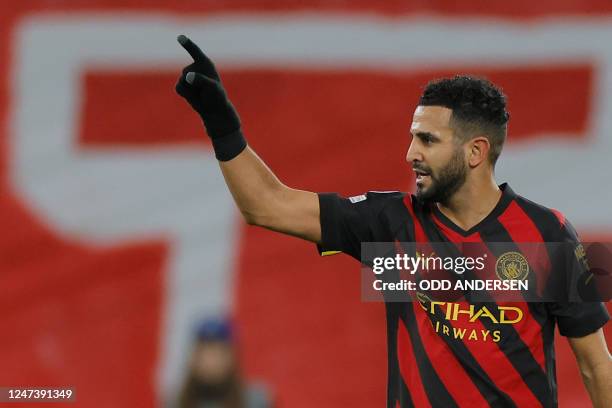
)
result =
(436, 358)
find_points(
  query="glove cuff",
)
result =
(229, 146)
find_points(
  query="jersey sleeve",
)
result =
(347, 222)
(582, 313)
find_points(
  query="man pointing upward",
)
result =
(458, 132)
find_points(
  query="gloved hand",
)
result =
(201, 86)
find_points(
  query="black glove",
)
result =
(201, 86)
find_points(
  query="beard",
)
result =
(446, 183)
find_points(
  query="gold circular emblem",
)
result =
(511, 266)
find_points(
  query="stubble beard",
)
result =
(448, 181)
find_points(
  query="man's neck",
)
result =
(472, 203)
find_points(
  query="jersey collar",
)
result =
(504, 201)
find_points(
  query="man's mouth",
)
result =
(421, 175)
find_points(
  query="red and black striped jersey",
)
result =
(439, 356)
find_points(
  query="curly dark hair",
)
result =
(479, 108)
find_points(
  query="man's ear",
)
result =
(478, 150)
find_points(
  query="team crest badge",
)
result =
(511, 266)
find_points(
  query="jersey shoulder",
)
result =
(375, 205)
(378, 200)
(551, 222)
(394, 213)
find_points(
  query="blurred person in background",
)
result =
(214, 379)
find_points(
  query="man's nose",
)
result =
(413, 153)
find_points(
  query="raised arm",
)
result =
(261, 197)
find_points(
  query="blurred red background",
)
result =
(91, 316)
